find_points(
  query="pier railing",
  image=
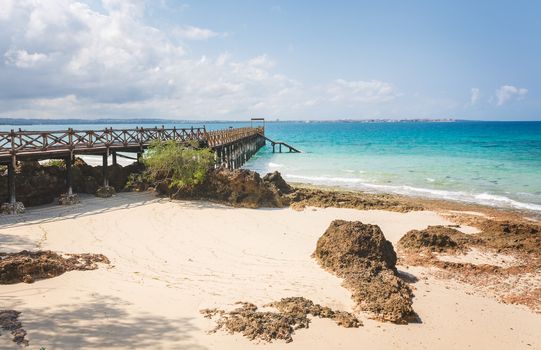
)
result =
(46, 143)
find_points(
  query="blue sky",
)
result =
(278, 59)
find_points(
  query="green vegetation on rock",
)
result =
(180, 165)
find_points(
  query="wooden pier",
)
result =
(232, 147)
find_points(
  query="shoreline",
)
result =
(435, 204)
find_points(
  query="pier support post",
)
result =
(68, 175)
(114, 158)
(69, 198)
(12, 206)
(105, 191)
(11, 182)
(105, 171)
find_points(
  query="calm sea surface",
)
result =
(494, 163)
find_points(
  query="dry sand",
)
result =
(170, 259)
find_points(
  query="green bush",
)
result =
(179, 165)
(55, 162)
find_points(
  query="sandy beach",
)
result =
(170, 259)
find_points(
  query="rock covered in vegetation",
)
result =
(268, 325)
(9, 321)
(361, 255)
(26, 266)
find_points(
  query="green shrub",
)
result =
(55, 162)
(179, 165)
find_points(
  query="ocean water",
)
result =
(492, 163)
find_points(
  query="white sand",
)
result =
(171, 259)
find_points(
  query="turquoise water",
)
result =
(493, 163)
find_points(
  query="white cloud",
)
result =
(475, 94)
(23, 59)
(6, 7)
(196, 33)
(508, 92)
(372, 91)
(64, 58)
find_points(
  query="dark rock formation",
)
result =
(9, 208)
(240, 188)
(434, 239)
(511, 236)
(27, 266)
(275, 179)
(303, 197)
(267, 326)
(105, 191)
(40, 184)
(361, 255)
(69, 199)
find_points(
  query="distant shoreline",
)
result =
(76, 121)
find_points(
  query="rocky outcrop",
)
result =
(69, 199)
(105, 192)
(304, 197)
(278, 183)
(438, 239)
(38, 184)
(27, 266)
(267, 326)
(240, 188)
(35, 184)
(360, 254)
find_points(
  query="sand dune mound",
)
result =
(361, 255)
(26, 266)
(269, 325)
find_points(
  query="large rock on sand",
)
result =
(361, 255)
(348, 244)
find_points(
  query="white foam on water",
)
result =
(478, 198)
(275, 165)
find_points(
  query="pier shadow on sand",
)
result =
(14, 243)
(103, 322)
(90, 205)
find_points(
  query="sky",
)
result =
(286, 60)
